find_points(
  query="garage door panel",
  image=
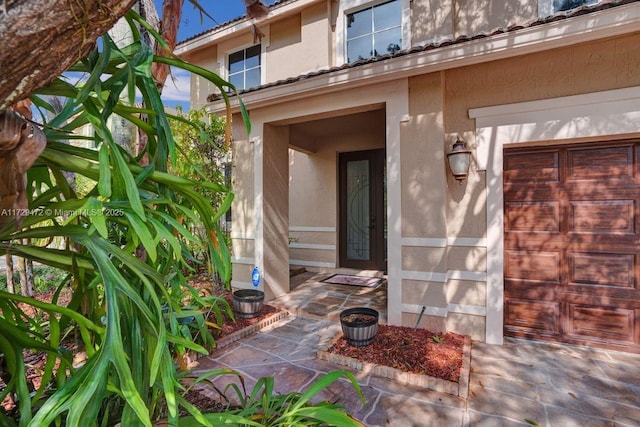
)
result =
(613, 162)
(596, 216)
(530, 316)
(601, 323)
(572, 247)
(533, 217)
(614, 270)
(535, 267)
(540, 167)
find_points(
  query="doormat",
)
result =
(344, 279)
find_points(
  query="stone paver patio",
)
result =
(515, 384)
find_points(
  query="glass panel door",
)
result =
(362, 210)
(358, 215)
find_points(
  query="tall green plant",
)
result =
(263, 406)
(118, 298)
(125, 308)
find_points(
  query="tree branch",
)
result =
(43, 38)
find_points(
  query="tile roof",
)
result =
(229, 23)
(583, 10)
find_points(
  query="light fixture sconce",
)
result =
(459, 160)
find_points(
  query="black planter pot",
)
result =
(359, 325)
(247, 303)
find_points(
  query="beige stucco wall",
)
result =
(243, 205)
(477, 16)
(298, 44)
(431, 20)
(599, 66)
(434, 20)
(242, 184)
(199, 86)
(275, 213)
(422, 151)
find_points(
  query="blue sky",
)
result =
(176, 92)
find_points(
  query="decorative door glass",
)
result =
(358, 206)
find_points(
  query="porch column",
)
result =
(397, 112)
(272, 237)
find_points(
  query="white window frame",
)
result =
(350, 6)
(545, 7)
(223, 58)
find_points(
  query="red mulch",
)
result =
(410, 351)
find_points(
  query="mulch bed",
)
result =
(410, 351)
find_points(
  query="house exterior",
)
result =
(354, 106)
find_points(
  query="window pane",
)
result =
(237, 80)
(359, 48)
(359, 23)
(387, 15)
(388, 41)
(560, 5)
(236, 62)
(253, 57)
(252, 78)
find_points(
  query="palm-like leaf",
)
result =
(125, 333)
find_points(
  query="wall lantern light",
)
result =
(459, 160)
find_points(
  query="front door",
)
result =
(362, 210)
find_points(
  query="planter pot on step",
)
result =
(359, 325)
(247, 303)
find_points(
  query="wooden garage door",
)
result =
(571, 244)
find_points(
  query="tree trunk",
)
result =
(43, 38)
(124, 132)
(24, 286)
(30, 277)
(11, 287)
(26, 275)
(171, 15)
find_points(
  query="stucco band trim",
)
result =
(444, 311)
(433, 242)
(432, 276)
(312, 263)
(315, 246)
(243, 260)
(312, 229)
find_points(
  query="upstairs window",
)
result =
(562, 5)
(244, 68)
(549, 7)
(374, 31)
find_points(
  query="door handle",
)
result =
(372, 223)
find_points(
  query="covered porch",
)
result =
(288, 179)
